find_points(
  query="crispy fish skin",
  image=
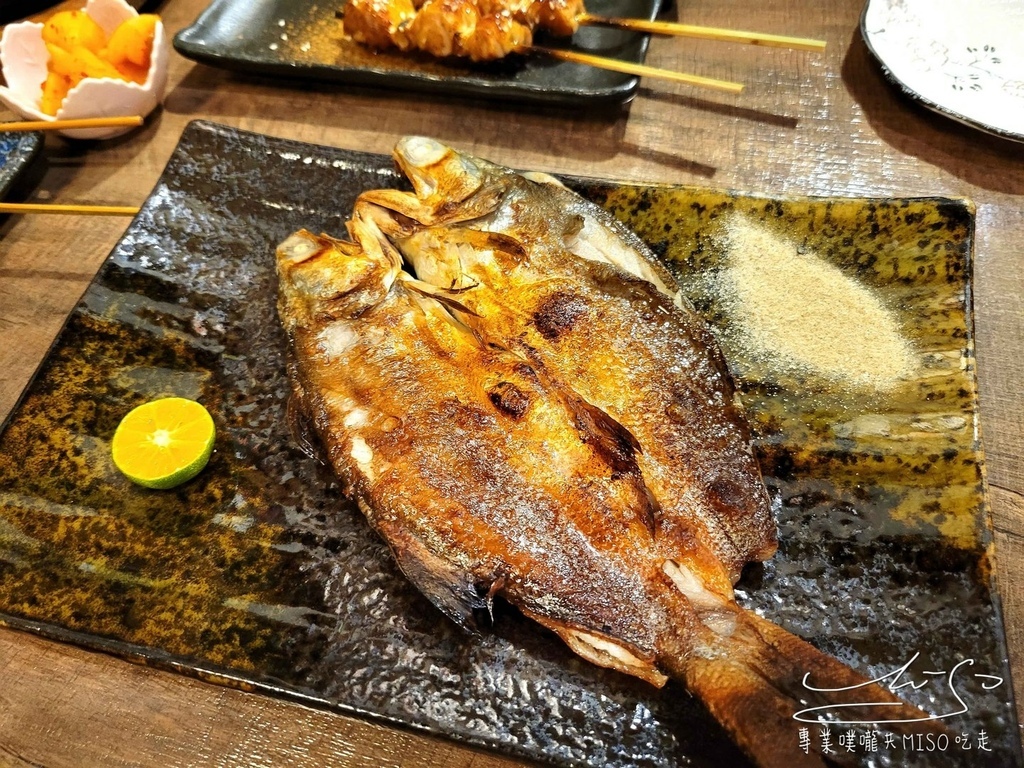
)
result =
(486, 477)
(483, 477)
(554, 277)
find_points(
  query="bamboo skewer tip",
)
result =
(676, 29)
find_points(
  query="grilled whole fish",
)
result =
(489, 476)
(556, 278)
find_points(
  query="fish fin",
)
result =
(493, 590)
(404, 203)
(451, 589)
(604, 239)
(443, 213)
(508, 251)
(365, 229)
(618, 448)
(651, 509)
(602, 650)
(440, 306)
(440, 295)
(539, 177)
(760, 676)
(614, 442)
(302, 430)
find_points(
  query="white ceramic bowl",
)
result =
(23, 56)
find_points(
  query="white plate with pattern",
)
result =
(962, 58)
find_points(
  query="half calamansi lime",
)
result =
(163, 443)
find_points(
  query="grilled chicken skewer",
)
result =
(484, 30)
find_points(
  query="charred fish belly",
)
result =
(539, 415)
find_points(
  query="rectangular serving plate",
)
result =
(258, 573)
(303, 39)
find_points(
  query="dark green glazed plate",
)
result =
(259, 574)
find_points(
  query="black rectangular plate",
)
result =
(303, 39)
(259, 573)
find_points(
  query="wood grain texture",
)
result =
(825, 124)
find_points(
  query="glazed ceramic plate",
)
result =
(258, 572)
(17, 151)
(962, 58)
(303, 39)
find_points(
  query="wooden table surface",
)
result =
(818, 124)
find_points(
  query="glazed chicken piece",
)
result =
(460, 28)
(442, 26)
(379, 23)
(557, 17)
(495, 37)
(481, 30)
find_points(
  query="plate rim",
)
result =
(931, 104)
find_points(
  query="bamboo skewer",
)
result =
(651, 27)
(704, 33)
(68, 125)
(642, 70)
(81, 210)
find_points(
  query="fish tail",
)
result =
(761, 678)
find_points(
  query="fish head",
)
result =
(322, 278)
(451, 187)
(437, 171)
(450, 247)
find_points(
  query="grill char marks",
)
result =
(509, 399)
(558, 314)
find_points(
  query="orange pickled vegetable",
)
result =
(70, 29)
(80, 63)
(132, 42)
(55, 89)
(79, 48)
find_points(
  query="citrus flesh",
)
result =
(163, 443)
